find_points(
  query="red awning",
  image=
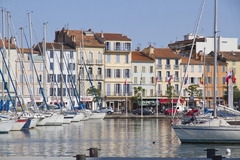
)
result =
(169, 100)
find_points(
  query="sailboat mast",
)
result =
(3, 40)
(44, 60)
(215, 57)
(8, 25)
(30, 33)
(22, 56)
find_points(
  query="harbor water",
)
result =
(114, 138)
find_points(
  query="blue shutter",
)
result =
(120, 73)
(129, 89)
(114, 46)
(124, 73)
(129, 73)
(120, 92)
(124, 89)
(114, 73)
(114, 89)
(108, 89)
(110, 73)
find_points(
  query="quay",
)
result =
(113, 158)
(119, 115)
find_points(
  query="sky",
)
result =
(155, 22)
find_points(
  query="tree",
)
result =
(236, 95)
(137, 93)
(192, 90)
(171, 92)
(91, 91)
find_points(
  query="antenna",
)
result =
(154, 44)
(149, 43)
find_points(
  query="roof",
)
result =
(112, 37)
(27, 50)
(230, 56)
(164, 53)
(80, 37)
(138, 56)
(192, 61)
(184, 42)
(54, 45)
(12, 45)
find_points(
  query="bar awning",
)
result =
(165, 100)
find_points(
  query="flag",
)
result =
(228, 76)
(169, 79)
(201, 80)
(233, 77)
(186, 79)
(156, 81)
(125, 82)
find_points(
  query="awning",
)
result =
(165, 100)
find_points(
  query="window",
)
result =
(135, 80)
(99, 71)
(61, 66)
(135, 69)
(81, 70)
(20, 78)
(152, 80)
(31, 66)
(59, 78)
(51, 54)
(99, 86)
(151, 69)
(99, 56)
(159, 74)
(108, 73)
(40, 78)
(208, 93)
(176, 61)
(90, 56)
(199, 68)
(117, 73)
(208, 68)
(233, 63)
(51, 66)
(223, 68)
(108, 46)
(223, 80)
(168, 61)
(108, 58)
(71, 54)
(216, 93)
(184, 68)
(192, 80)
(176, 74)
(41, 66)
(209, 80)
(143, 80)
(126, 75)
(151, 92)
(168, 73)
(90, 70)
(59, 92)
(118, 58)
(143, 69)
(127, 59)
(31, 78)
(192, 68)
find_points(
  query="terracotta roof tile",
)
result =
(230, 56)
(164, 53)
(113, 37)
(138, 56)
(12, 46)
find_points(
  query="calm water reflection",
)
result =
(115, 138)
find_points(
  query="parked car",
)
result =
(170, 111)
(145, 111)
(107, 110)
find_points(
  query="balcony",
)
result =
(90, 76)
(81, 76)
(160, 79)
(99, 77)
(90, 61)
(159, 66)
(167, 66)
(99, 61)
(176, 66)
(176, 79)
(118, 94)
(159, 93)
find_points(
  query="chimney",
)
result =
(90, 29)
(102, 34)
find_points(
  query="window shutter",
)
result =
(114, 89)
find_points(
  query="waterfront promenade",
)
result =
(119, 115)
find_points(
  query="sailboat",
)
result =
(214, 129)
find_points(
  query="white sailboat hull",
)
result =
(54, 120)
(18, 125)
(68, 118)
(209, 132)
(97, 116)
(78, 117)
(34, 122)
(6, 125)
